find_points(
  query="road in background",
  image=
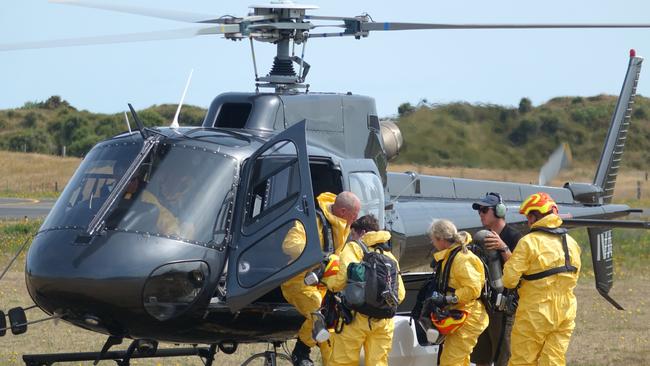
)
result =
(18, 208)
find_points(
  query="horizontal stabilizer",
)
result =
(604, 223)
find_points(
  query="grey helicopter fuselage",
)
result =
(219, 281)
(100, 282)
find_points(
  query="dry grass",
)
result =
(606, 336)
(34, 174)
(603, 335)
(49, 337)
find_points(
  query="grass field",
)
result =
(603, 336)
(34, 175)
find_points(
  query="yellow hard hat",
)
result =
(539, 201)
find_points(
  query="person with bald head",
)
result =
(339, 211)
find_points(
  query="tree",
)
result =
(525, 105)
(405, 109)
(30, 120)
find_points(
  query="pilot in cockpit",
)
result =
(168, 193)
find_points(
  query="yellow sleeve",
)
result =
(470, 277)
(294, 243)
(401, 290)
(166, 223)
(517, 264)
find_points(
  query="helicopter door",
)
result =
(361, 177)
(275, 196)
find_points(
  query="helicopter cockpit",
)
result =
(176, 192)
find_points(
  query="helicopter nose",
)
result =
(119, 281)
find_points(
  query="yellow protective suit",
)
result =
(546, 314)
(467, 277)
(374, 335)
(166, 223)
(307, 299)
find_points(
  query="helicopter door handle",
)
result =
(305, 207)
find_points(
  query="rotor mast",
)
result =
(286, 24)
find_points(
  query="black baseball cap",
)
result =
(490, 200)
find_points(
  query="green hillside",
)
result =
(45, 127)
(455, 134)
(462, 134)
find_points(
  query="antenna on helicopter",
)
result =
(128, 124)
(180, 104)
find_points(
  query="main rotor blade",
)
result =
(389, 26)
(181, 16)
(122, 38)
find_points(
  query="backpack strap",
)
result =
(567, 267)
(363, 246)
(326, 231)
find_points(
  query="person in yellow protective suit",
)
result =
(340, 211)
(374, 335)
(466, 277)
(547, 261)
(169, 198)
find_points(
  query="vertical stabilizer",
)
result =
(610, 158)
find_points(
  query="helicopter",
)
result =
(174, 234)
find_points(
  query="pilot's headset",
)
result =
(500, 208)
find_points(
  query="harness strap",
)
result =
(567, 267)
(442, 279)
(328, 239)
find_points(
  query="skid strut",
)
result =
(122, 358)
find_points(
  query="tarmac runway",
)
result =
(18, 208)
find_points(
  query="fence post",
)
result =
(638, 189)
(56, 187)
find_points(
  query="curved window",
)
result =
(368, 187)
(180, 192)
(91, 184)
(274, 185)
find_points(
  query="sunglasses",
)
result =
(484, 210)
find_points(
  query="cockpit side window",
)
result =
(368, 187)
(275, 185)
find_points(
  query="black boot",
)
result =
(300, 355)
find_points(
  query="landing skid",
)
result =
(121, 358)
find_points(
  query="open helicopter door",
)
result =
(361, 177)
(275, 195)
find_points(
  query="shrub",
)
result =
(525, 105)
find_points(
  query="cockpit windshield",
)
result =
(179, 191)
(92, 183)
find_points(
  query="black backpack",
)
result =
(372, 287)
